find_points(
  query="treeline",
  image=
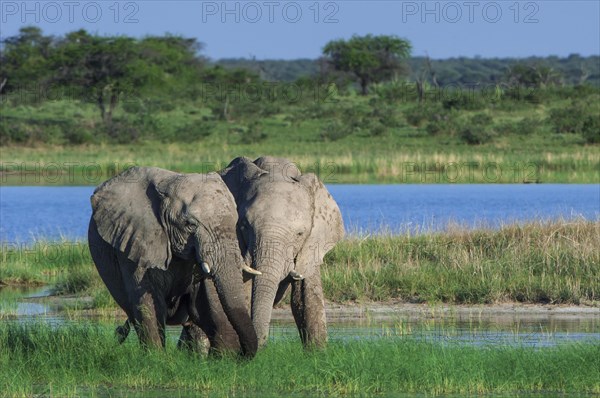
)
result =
(85, 88)
(572, 70)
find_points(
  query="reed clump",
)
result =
(555, 262)
(542, 262)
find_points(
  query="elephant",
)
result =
(287, 222)
(157, 238)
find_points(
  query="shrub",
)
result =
(578, 118)
(335, 130)
(527, 125)
(394, 91)
(567, 120)
(447, 124)
(76, 281)
(123, 131)
(253, 134)
(473, 135)
(377, 129)
(477, 130)
(523, 93)
(78, 135)
(591, 129)
(193, 131)
(463, 100)
(418, 114)
(385, 114)
(32, 131)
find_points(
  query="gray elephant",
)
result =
(288, 221)
(157, 237)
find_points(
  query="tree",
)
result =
(370, 59)
(98, 65)
(108, 68)
(421, 81)
(539, 76)
(24, 58)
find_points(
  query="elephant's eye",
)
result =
(191, 222)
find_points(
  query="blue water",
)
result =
(433, 207)
(52, 213)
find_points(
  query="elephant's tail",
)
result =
(123, 331)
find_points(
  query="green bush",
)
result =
(578, 118)
(335, 130)
(32, 131)
(77, 281)
(591, 129)
(464, 100)
(193, 131)
(387, 115)
(567, 120)
(418, 114)
(477, 130)
(253, 134)
(122, 131)
(527, 125)
(12, 133)
(523, 93)
(395, 91)
(77, 135)
(444, 124)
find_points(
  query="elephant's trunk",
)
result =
(232, 300)
(264, 290)
(229, 284)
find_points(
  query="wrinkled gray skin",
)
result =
(157, 239)
(288, 221)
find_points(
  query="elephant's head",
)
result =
(156, 216)
(288, 221)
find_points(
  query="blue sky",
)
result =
(299, 29)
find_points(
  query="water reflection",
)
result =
(522, 331)
(21, 302)
(473, 328)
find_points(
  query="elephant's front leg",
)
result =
(308, 307)
(193, 339)
(149, 314)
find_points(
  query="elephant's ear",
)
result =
(127, 212)
(280, 168)
(327, 225)
(238, 173)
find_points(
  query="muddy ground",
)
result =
(395, 310)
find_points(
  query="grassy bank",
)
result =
(350, 139)
(75, 360)
(357, 162)
(555, 262)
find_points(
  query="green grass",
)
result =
(43, 262)
(311, 134)
(553, 262)
(353, 162)
(82, 359)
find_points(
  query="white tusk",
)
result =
(296, 276)
(250, 270)
(205, 268)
